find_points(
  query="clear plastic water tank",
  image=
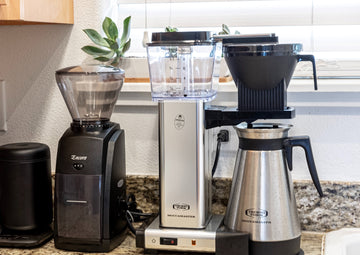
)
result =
(183, 65)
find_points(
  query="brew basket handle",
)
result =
(310, 58)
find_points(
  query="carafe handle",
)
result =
(304, 142)
(310, 58)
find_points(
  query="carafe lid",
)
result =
(262, 130)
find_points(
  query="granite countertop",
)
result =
(317, 215)
(311, 243)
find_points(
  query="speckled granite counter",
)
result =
(310, 243)
(337, 209)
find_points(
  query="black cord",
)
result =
(129, 223)
(222, 136)
(133, 214)
(218, 147)
(142, 214)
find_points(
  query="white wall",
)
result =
(331, 119)
(30, 55)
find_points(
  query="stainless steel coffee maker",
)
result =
(262, 201)
(184, 75)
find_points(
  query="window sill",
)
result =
(301, 93)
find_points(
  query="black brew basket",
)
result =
(262, 73)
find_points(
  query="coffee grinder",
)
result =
(90, 169)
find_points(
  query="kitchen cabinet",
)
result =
(21, 12)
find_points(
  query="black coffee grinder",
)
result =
(90, 169)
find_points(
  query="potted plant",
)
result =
(109, 49)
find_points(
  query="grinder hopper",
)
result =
(90, 92)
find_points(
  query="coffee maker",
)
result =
(261, 69)
(184, 70)
(262, 200)
(90, 175)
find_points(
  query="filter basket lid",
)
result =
(231, 50)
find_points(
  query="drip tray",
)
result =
(25, 239)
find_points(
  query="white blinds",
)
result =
(243, 13)
(328, 28)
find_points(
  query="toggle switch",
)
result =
(168, 241)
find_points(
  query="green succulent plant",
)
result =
(172, 53)
(171, 29)
(225, 30)
(112, 48)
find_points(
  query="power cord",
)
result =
(133, 214)
(222, 136)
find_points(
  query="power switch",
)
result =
(168, 241)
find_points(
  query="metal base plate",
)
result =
(200, 240)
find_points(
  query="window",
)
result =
(329, 29)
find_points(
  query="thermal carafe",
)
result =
(262, 200)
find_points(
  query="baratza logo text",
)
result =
(75, 157)
(181, 206)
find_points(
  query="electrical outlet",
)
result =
(3, 126)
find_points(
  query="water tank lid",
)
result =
(180, 38)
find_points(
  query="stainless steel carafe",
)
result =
(262, 200)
